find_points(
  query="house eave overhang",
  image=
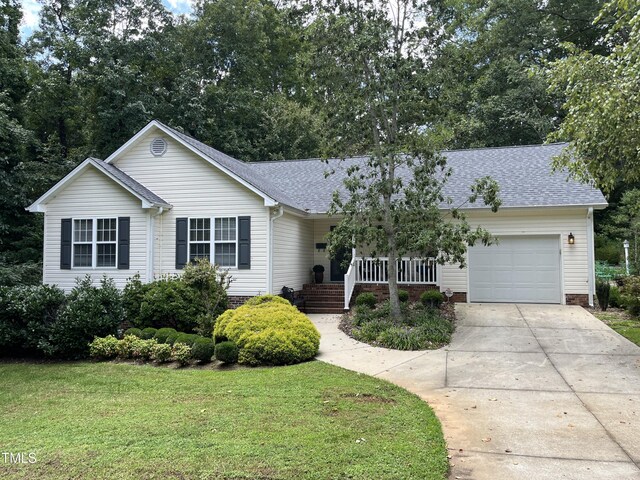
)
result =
(39, 206)
(268, 201)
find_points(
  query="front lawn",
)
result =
(621, 322)
(308, 421)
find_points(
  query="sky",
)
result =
(31, 8)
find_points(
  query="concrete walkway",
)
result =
(523, 391)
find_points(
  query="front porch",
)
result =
(370, 274)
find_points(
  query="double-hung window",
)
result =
(223, 242)
(95, 242)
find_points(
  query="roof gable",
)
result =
(147, 197)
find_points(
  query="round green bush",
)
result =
(136, 332)
(432, 298)
(172, 337)
(260, 299)
(403, 295)
(203, 349)
(187, 338)
(366, 298)
(148, 333)
(226, 352)
(270, 333)
(162, 334)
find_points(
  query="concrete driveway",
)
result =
(523, 391)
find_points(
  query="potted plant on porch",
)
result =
(318, 272)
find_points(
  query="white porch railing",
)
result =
(410, 270)
(417, 271)
(350, 280)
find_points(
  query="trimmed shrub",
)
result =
(104, 348)
(145, 349)
(603, 289)
(432, 298)
(172, 337)
(169, 302)
(270, 333)
(226, 352)
(181, 353)
(631, 295)
(136, 332)
(127, 346)
(161, 352)
(187, 338)
(162, 334)
(260, 299)
(366, 298)
(403, 295)
(203, 349)
(27, 315)
(148, 333)
(90, 311)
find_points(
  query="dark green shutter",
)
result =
(65, 244)
(123, 243)
(244, 243)
(182, 253)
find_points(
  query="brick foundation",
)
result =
(580, 299)
(237, 301)
(381, 291)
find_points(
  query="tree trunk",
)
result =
(394, 298)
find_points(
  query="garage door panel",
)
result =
(517, 269)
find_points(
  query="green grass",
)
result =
(109, 420)
(622, 323)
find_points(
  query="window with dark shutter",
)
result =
(65, 244)
(123, 242)
(182, 244)
(244, 243)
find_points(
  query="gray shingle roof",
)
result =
(241, 169)
(133, 184)
(523, 173)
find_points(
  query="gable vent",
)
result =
(158, 146)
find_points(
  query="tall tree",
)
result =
(602, 106)
(483, 88)
(371, 60)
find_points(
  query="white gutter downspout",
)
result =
(151, 243)
(272, 218)
(591, 256)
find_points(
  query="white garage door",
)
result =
(517, 269)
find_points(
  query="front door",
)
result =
(337, 270)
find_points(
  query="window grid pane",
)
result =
(106, 255)
(225, 230)
(83, 231)
(106, 230)
(199, 250)
(82, 255)
(225, 254)
(199, 238)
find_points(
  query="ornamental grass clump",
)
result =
(268, 332)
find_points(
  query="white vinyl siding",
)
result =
(293, 249)
(531, 222)
(197, 189)
(93, 195)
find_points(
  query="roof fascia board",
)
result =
(268, 201)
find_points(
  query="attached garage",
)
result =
(518, 269)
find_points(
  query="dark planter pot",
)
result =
(319, 277)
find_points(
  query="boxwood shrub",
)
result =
(136, 332)
(162, 334)
(203, 349)
(148, 333)
(187, 338)
(366, 298)
(226, 352)
(269, 333)
(172, 337)
(432, 298)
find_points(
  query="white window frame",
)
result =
(212, 240)
(94, 243)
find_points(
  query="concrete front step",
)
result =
(324, 310)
